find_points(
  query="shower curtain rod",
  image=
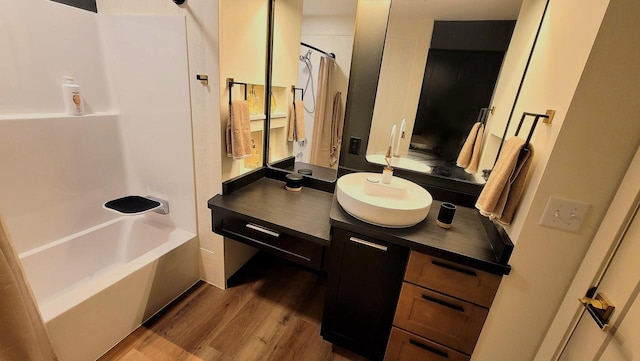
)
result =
(331, 55)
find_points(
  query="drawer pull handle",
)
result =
(264, 230)
(428, 348)
(454, 268)
(369, 244)
(443, 303)
(234, 234)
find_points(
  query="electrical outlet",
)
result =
(354, 145)
(564, 214)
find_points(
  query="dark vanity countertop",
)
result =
(468, 241)
(304, 214)
(310, 213)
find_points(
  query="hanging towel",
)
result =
(464, 158)
(238, 133)
(24, 335)
(503, 190)
(337, 124)
(321, 141)
(296, 122)
(475, 154)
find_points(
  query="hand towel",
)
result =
(503, 190)
(296, 122)
(475, 154)
(238, 133)
(467, 148)
(292, 122)
(337, 124)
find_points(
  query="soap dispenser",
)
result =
(72, 98)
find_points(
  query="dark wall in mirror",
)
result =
(462, 68)
(310, 78)
(82, 4)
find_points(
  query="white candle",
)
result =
(396, 150)
(392, 137)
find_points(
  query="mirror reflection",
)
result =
(441, 63)
(312, 48)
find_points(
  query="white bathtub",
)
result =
(94, 287)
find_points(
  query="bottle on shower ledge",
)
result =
(71, 96)
(254, 102)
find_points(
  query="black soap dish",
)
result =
(134, 205)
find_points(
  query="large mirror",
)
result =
(372, 21)
(441, 64)
(311, 59)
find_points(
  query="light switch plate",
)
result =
(564, 214)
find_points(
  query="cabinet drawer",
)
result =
(273, 241)
(459, 281)
(405, 346)
(446, 320)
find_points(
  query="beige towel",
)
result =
(475, 154)
(502, 192)
(467, 148)
(238, 133)
(296, 122)
(24, 336)
(337, 124)
(321, 141)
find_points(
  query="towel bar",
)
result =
(231, 82)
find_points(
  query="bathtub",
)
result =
(96, 286)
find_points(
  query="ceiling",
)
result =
(459, 9)
(329, 7)
(437, 9)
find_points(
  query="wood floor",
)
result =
(272, 313)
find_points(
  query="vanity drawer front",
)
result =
(459, 281)
(273, 241)
(405, 346)
(446, 320)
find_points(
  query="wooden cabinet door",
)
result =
(365, 277)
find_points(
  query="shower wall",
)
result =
(333, 34)
(58, 170)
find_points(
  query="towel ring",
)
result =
(230, 83)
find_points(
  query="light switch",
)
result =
(564, 214)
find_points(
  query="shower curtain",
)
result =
(321, 143)
(24, 336)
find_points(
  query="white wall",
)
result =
(59, 170)
(242, 49)
(583, 156)
(146, 59)
(403, 62)
(41, 42)
(333, 34)
(506, 89)
(204, 58)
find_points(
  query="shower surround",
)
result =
(97, 275)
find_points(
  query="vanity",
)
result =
(416, 293)
(421, 292)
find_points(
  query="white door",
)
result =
(621, 285)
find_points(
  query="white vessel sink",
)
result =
(399, 204)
